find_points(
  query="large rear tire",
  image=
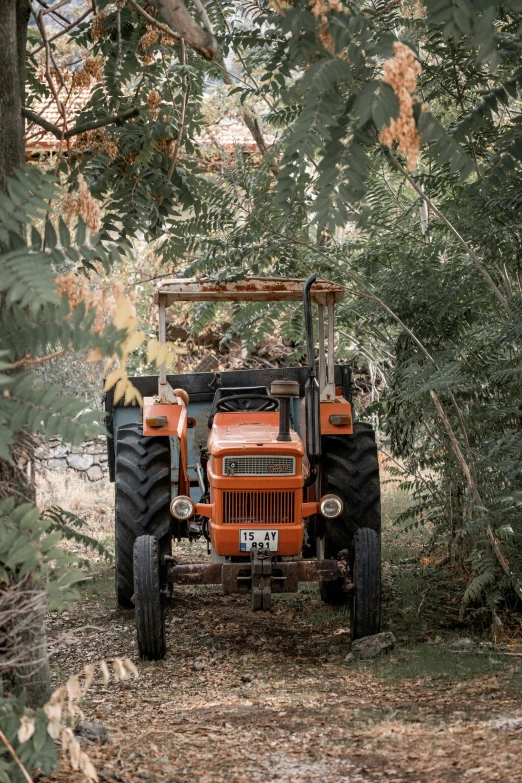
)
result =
(352, 467)
(142, 501)
(366, 574)
(148, 608)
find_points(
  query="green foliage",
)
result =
(38, 751)
(35, 320)
(29, 546)
(73, 528)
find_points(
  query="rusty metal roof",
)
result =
(250, 289)
(225, 134)
(37, 139)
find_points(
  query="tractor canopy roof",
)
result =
(250, 289)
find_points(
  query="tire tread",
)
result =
(366, 599)
(142, 500)
(148, 607)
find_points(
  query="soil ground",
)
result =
(266, 697)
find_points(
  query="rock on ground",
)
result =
(371, 646)
(92, 732)
(463, 644)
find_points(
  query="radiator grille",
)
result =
(264, 465)
(254, 508)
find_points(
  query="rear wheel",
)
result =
(366, 574)
(148, 608)
(352, 468)
(142, 501)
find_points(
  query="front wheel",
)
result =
(352, 469)
(148, 608)
(366, 575)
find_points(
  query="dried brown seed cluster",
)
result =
(154, 101)
(92, 69)
(401, 72)
(77, 289)
(167, 40)
(80, 289)
(326, 39)
(83, 206)
(320, 9)
(99, 140)
(97, 29)
(149, 38)
(130, 158)
(166, 144)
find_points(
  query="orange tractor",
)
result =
(267, 465)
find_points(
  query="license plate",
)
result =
(258, 539)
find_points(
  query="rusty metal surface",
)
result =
(251, 289)
(195, 574)
(320, 570)
(231, 583)
(237, 577)
(261, 563)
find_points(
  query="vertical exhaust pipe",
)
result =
(313, 424)
(284, 391)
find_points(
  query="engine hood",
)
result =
(250, 433)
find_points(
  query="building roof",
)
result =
(226, 134)
(230, 132)
(37, 138)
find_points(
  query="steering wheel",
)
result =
(225, 406)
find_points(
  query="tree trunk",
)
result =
(16, 477)
(14, 16)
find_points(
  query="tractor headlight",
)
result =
(331, 506)
(182, 507)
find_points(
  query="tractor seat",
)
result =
(239, 405)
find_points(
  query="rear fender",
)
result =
(157, 410)
(175, 429)
(332, 413)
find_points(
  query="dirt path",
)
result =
(248, 698)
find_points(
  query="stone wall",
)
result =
(89, 460)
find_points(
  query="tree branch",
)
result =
(202, 12)
(462, 242)
(251, 123)
(178, 18)
(28, 361)
(15, 757)
(181, 125)
(115, 119)
(154, 22)
(475, 494)
(62, 32)
(54, 13)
